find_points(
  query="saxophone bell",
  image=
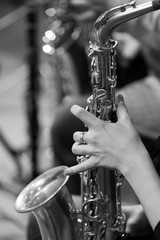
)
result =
(48, 198)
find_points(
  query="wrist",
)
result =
(138, 163)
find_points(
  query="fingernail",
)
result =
(120, 98)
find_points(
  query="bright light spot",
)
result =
(50, 35)
(48, 49)
(51, 12)
(45, 39)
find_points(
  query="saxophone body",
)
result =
(100, 216)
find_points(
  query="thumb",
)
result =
(121, 108)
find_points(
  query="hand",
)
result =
(113, 145)
(118, 145)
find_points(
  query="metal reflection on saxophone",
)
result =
(100, 216)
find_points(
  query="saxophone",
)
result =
(47, 196)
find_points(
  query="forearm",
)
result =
(146, 183)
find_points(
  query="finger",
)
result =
(121, 108)
(86, 117)
(77, 137)
(81, 149)
(81, 167)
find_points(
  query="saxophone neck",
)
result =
(109, 20)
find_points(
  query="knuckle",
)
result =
(96, 161)
(74, 136)
(74, 149)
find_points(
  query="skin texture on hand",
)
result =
(107, 144)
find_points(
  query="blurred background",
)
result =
(27, 105)
(13, 76)
(35, 81)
